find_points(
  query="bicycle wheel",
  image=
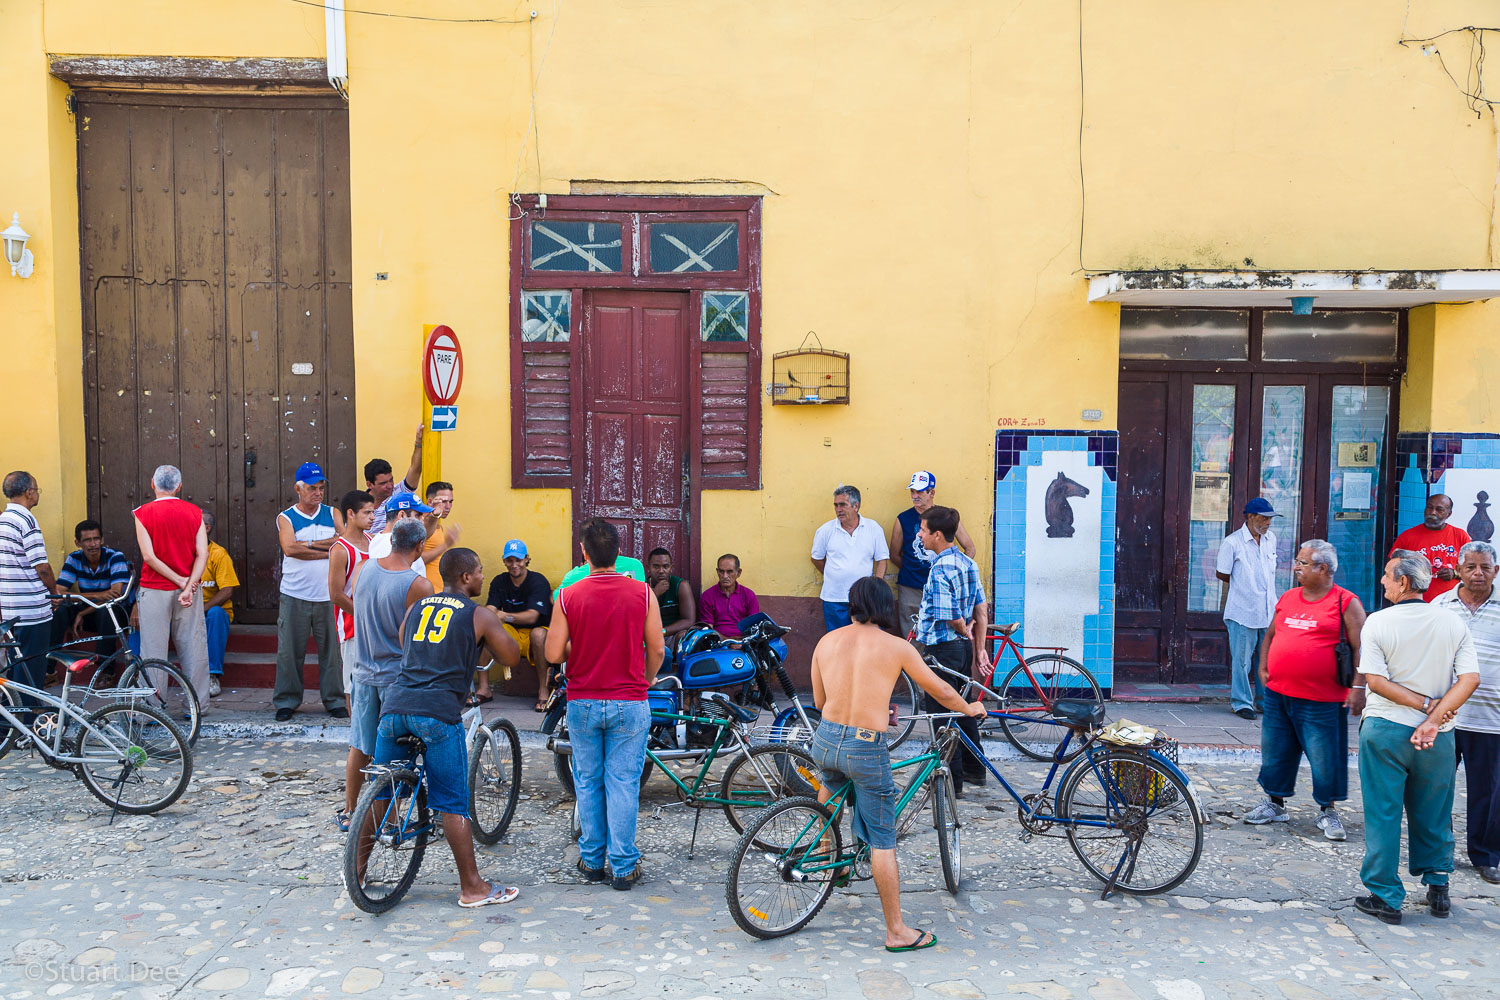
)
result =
(945, 821)
(1131, 818)
(906, 820)
(8, 733)
(768, 895)
(494, 779)
(388, 833)
(175, 694)
(907, 702)
(1056, 677)
(135, 759)
(763, 776)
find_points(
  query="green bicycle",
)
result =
(792, 856)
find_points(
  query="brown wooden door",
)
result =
(1194, 447)
(635, 403)
(218, 321)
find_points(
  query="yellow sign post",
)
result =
(432, 444)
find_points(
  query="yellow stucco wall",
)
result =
(923, 206)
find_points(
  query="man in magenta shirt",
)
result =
(174, 550)
(727, 604)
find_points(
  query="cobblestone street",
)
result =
(235, 891)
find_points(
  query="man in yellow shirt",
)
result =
(219, 581)
(440, 536)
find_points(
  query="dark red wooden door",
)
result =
(636, 421)
(1145, 607)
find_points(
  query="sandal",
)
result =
(498, 894)
(540, 706)
(475, 700)
(341, 820)
(916, 945)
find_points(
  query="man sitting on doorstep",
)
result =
(98, 572)
(522, 598)
(1410, 654)
(674, 596)
(728, 602)
(219, 581)
(1306, 709)
(1476, 732)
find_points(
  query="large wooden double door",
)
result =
(1194, 447)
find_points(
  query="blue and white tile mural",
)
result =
(1055, 541)
(1464, 466)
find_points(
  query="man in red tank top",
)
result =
(607, 627)
(174, 550)
(1306, 709)
(349, 549)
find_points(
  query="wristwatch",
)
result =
(1426, 704)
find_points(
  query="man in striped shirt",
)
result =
(98, 572)
(1476, 733)
(26, 581)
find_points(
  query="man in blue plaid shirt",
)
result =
(99, 573)
(952, 624)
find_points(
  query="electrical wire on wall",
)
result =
(421, 17)
(534, 69)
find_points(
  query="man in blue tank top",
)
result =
(441, 640)
(911, 559)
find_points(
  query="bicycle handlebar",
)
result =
(97, 605)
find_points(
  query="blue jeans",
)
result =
(31, 669)
(835, 615)
(609, 750)
(216, 620)
(447, 758)
(1396, 777)
(1293, 727)
(1244, 665)
(847, 753)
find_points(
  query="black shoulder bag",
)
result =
(1343, 655)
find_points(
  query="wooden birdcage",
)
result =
(809, 375)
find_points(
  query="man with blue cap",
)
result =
(912, 560)
(523, 600)
(307, 530)
(1247, 562)
(399, 507)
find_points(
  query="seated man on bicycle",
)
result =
(98, 572)
(440, 643)
(854, 671)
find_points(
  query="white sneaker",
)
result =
(1267, 812)
(1332, 826)
(213, 685)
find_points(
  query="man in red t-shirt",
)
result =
(1439, 541)
(613, 625)
(174, 550)
(1307, 710)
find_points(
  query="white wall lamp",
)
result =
(16, 254)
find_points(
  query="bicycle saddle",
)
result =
(1078, 712)
(740, 712)
(1005, 629)
(415, 744)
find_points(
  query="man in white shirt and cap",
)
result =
(1247, 562)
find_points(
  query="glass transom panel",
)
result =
(694, 246)
(575, 246)
(1185, 334)
(546, 317)
(726, 317)
(1329, 337)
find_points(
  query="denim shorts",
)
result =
(847, 753)
(364, 716)
(447, 758)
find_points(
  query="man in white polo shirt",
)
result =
(843, 550)
(1247, 562)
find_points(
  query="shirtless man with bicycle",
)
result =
(854, 671)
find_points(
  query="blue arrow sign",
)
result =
(444, 418)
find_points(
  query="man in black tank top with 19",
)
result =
(441, 640)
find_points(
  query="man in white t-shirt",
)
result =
(397, 508)
(1247, 562)
(1420, 664)
(843, 550)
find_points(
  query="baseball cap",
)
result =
(515, 549)
(406, 501)
(922, 481)
(1262, 506)
(310, 472)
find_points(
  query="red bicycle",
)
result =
(1028, 690)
